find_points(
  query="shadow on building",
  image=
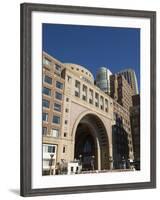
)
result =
(120, 145)
(135, 128)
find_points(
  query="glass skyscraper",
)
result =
(103, 79)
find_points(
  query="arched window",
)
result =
(87, 147)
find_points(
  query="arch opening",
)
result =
(91, 143)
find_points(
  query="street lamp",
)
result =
(80, 159)
(129, 164)
(111, 162)
(50, 164)
(123, 163)
(92, 162)
(80, 162)
(132, 165)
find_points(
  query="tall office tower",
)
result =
(130, 76)
(103, 80)
(121, 91)
(122, 94)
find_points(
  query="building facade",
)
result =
(52, 104)
(131, 78)
(78, 119)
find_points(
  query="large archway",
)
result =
(91, 143)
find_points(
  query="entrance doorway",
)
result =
(85, 148)
(91, 144)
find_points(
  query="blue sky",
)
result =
(94, 47)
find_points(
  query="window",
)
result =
(66, 122)
(48, 79)
(72, 169)
(77, 84)
(106, 105)
(44, 130)
(67, 99)
(84, 97)
(90, 101)
(58, 96)
(96, 99)
(57, 107)
(77, 88)
(86, 80)
(90, 96)
(56, 119)
(58, 67)
(102, 102)
(64, 149)
(45, 116)
(45, 103)
(65, 134)
(67, 110)
(46, 61)
(55, 133)
(68, 78)
(87, 146)
(51, 149)
(59, 85)
(46, 91)
(77, 94)
(57, 70)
